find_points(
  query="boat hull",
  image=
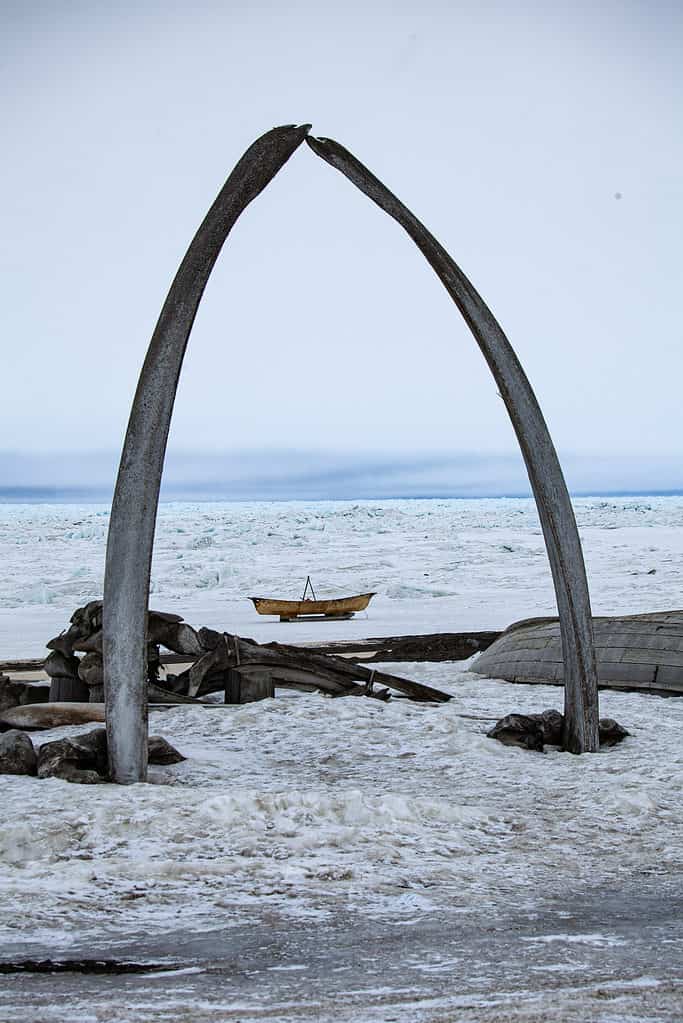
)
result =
(340, 607)
(642, 651)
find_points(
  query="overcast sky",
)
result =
(542, 144)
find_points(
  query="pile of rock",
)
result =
(79, 758)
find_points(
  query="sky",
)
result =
(541, 143)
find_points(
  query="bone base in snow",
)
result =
(534, 731)
(83, 758)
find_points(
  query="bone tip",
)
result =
(298, 128)
(302, 129)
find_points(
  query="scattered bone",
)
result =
(220, 662)
(51, 715)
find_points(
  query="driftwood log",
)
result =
(436, 646)
(133, 514)
(298, 668)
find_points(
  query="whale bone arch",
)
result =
(136, 495)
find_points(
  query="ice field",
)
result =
(436, 565)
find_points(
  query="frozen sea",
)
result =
(348, 859)
(437, 565)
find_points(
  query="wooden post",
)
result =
(66, 689)
(248, 686)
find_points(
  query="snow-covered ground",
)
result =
(394, 841)
(303, 801)
(293, 815)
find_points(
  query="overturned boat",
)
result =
(639, 652)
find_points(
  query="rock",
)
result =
(69, 772)
(65, 685)
(92, 644)
(51, 715)
(85, 621)
(83, 758)
(528, 730)
(611, 732)
(57, 760)
(161, 752)
(17, 755)
(552, 726)
(64, 642)
(519, 730)
(91, 670)
(93, 746)
(60, 664)
(88, 619)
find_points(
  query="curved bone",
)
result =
(133, 513)
(545, 474)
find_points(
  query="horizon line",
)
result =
(75, 495)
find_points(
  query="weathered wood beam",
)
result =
(338, 669)
(438, 646)
(226, 654)
(134, 507)
(543, 466)
(448, 646)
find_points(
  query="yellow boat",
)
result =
(288, 610)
